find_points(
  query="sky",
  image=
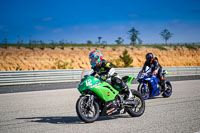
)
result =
(78, 21)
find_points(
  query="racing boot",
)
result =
(162, 84)
(130, 95)
(125, 88)
(128, 92)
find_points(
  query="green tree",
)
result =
(126, 58)
(52, 44)
(33, 44)
(89, 42)
(5, 40)
(99, 38)
(18, 42)
(61, 43)
(119, 41)
(166, 35)
(41, 45)
(134, 35)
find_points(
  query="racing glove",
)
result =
(155, 72)
(103, 77)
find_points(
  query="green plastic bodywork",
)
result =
(130, 78)
(103, 89)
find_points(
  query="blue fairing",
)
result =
(155, 91)
(151, 83)
(145, 89)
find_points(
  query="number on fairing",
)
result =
(88, 82)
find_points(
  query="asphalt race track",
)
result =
(53, 111)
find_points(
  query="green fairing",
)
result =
(103, 89)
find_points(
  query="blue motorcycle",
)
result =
(149, 85)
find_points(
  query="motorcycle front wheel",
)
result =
(145, 93)
(87, 113)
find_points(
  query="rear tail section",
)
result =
(128, 79)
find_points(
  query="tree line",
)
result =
(133, 36)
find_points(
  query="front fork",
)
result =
(145, 87)
(90, 101)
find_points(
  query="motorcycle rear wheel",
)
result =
(168, 91)
(139, 109)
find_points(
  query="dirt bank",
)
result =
(12, 59)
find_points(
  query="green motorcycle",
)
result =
(99, 98)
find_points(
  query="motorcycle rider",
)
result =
(156, 68)
(105, 71)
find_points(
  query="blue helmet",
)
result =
(95, 57)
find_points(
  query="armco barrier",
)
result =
(73, 75)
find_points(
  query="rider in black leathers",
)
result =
(156, 68)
